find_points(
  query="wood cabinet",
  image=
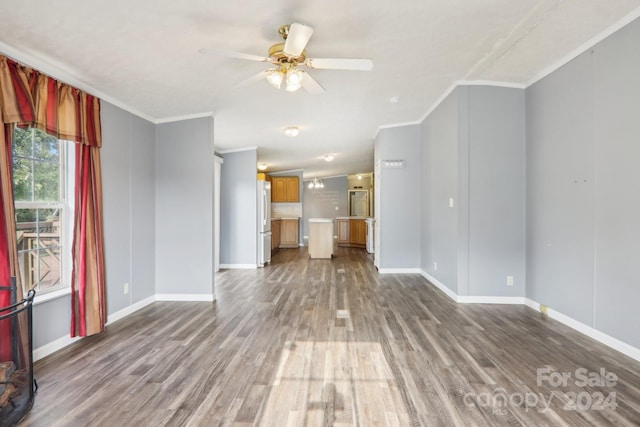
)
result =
(285, 189)
(352, 232)
(343, 231)
(275, 234)
(289, 233)
(357, 232)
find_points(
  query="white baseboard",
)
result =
(64, 341)
(53, 346)
(490, 300)
(238, 266)
(439, 285)
(589, 331)
(399, 271)
(184, 297)
(128, 310)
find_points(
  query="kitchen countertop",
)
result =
(320, 220)
(354, 217)
(284, 217)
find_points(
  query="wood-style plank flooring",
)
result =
(332, 342)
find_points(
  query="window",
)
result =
(42, 214)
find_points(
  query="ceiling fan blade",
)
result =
(339, 64)
(297, 39)
(232, 54)
(310, 85)
(261, 75)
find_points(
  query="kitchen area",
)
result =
(247, 241)
(323, 214)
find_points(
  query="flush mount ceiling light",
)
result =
(316, 184)
(328, 157)
(291, 131)
(262, 166)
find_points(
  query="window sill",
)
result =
(49, 296)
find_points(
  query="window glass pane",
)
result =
(45, 146)
(49, 267)
(38, 237)
(46, 181)
(22, 179)
(22, 143)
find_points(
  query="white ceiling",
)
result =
(142, 55)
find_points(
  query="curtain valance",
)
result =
(30, 98)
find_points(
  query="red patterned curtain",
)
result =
(29, 98)
(16, 106)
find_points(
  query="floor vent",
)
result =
(342, 314)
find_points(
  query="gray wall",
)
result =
(143, 213)
(238, 208)
(323, 203)
(496, 191)
(116, 176)
(184, 207)
(560, 213)
(398, 221)
(473, 154)
(129, 216)
(583, 186)
(439, 222)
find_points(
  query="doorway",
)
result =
(358, 203)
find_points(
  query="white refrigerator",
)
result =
(264, 222)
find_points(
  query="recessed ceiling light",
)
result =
(262, 166)
(328, 157)
(394, 100)
(291, 131)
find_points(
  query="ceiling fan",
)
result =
(288, 56)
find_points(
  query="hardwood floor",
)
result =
(331, 342)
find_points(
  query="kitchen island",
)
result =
(320, 237)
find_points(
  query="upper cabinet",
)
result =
(285, 189)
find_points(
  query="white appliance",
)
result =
(370, 224)
(264, 222)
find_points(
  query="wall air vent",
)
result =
(393, 164)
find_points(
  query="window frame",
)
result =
(65, 205)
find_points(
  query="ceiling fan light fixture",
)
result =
(294, 79)
(275, 77)
(291, 131)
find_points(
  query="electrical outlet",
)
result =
(451, 202)
(126, 288)
(509, 280)
(435, 266)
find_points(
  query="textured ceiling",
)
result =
(143, 55)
